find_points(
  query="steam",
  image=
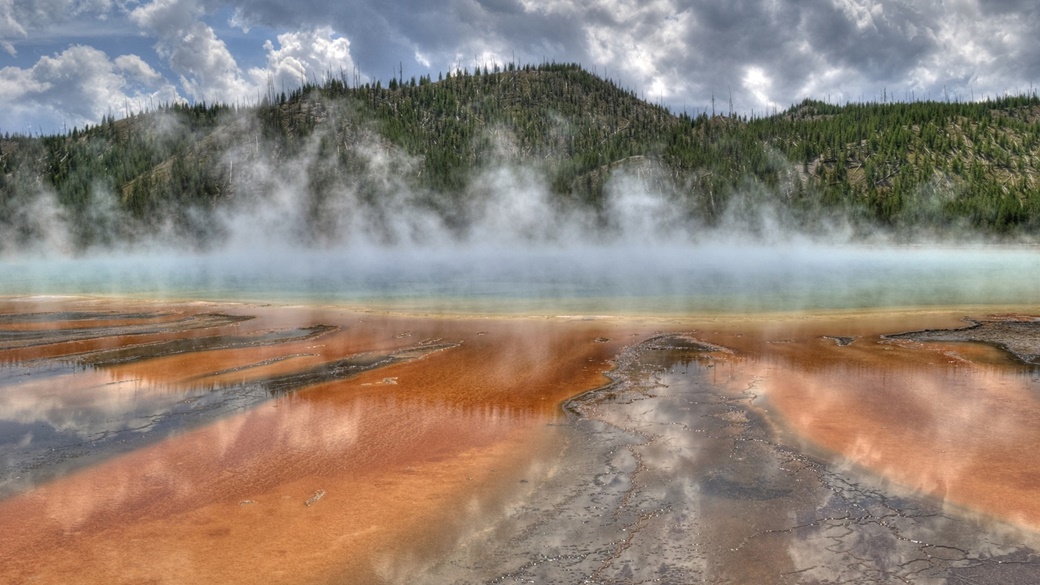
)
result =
(343, 221)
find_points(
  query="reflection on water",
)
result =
(52, 423)
(235, 499)
(928, 418)
(77, 387)
(298, 444)
(189, 444)
(683, 478)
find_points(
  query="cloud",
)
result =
(643, 42)
(684, 53)
(207, 70)
(168, 18)
(305, 56)
(77, 86)
(759, 84)
(137, 70)
(989, 46)
(80, 84)
(9, 26)
(20, 18)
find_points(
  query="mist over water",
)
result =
(558, 280)
(505, 244)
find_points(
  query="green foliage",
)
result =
(906, 168)
(921, 165)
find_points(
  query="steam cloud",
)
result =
(369, 234)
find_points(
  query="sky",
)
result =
(66, 63)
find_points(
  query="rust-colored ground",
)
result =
(399, 455)
(395, 461)
(957, 421)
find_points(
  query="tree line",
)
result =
(905, 168)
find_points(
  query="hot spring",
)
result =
(784, 413)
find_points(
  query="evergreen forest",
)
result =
(906, 170)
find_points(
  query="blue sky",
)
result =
(66, 63)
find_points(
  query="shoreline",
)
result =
(433, 308)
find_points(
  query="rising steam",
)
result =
(369, 234)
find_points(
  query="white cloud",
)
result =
(305, 56)
(16, 84)
(422, 59)
(137, 70)
(239, 21)
(641, 42)
(21, 18)
(81, 84)
(546, 6)
(77, 86)
(167, 18)
(984, 51)
(681, 52)
(826, 84)
(208, 71)
(759, 84)
(9, 26)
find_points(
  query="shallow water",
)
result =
(681, 478)
(269, 445)
(655, 279)
(186, 441)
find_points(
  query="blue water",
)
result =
(594, 279)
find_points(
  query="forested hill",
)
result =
(340, 150)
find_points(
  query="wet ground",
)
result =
(191, 443)
(1018, 335)
(61, 362)
(673, 474)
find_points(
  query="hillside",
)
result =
(341, 151)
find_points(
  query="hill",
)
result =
(344, 151)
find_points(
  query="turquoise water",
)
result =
(595, 279)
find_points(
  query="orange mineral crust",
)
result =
(350, 446)
(956, 421)
(353, 478)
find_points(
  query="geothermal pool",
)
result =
(792, 417)
(544, 280)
